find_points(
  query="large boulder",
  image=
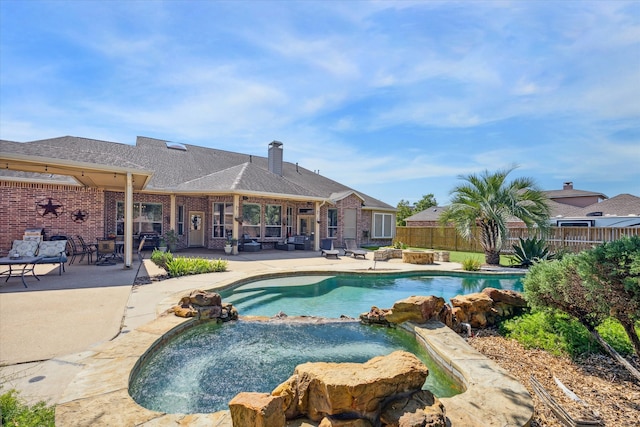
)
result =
(484, 308)
(506, 302)
(204, 305)
(420, 409)
(351, 390)
(475, 309)
(418, 309)
(375, 316)
(257, 410)
(336, 422)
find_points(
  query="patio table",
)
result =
(25, 261)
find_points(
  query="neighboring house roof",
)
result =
(195, 169)
(620, 205)
(562, 209)
(429, 214)
(568, 192)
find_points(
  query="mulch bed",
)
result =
(608, 391)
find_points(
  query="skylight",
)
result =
(176, 146)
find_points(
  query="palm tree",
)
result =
(488, 202)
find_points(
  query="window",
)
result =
(223, 220)
(273, 221)
(180, 220)
(332, 223)
(147, 218)
(382, 226)
(251, 214)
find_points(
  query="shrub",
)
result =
(592, 285)
(399, 245)
(529, 251)
(13, 412)
(558, 333)
(471, 264)
(160, 258)
(182, 266)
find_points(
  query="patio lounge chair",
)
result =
(326, 248)
(351, 248)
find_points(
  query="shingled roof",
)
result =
(620, 205)
(569, 192)
(192, 170)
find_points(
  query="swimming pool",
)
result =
(204, 367)
(353, 294)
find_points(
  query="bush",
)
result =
(530, 250)
(556, 333)
(182, 266)
(471, 264)
(13, 412)
(399, 245)
(160, 258)
(559, 334)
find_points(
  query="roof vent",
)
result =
(594, 214)
(175, 146)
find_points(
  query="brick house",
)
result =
(79, 186)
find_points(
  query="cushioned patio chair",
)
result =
(351, 248)
(26, 248)
(326, 248)
(54, 252)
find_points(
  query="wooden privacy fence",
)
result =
(573, 239)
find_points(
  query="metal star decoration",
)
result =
(79, 216)
(50, 207)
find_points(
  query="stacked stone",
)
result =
(205, 305)
(386, 391)
(479, 310)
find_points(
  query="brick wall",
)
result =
(19, 211)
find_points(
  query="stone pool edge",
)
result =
(99, 394)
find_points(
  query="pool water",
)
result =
(351, 295)
(202, 369)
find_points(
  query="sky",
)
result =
(396, 99)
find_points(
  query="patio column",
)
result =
(128, 221)
(236, 214)
(172, 213)
(316, 229)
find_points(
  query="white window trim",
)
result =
(378, 216)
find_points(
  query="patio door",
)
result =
(196, 229)
(305, 224)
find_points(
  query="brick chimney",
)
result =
(275, 157)
(567, 185)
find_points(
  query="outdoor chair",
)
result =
(106, 252)
(326, 248)
(351, 248)
(53, 252)
(25, 248)
(89, 250)
(74, 250)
